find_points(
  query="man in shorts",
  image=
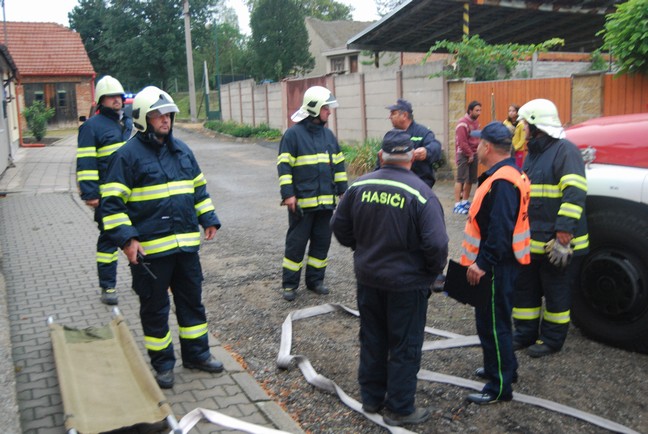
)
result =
(466, 157)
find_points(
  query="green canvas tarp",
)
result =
(105, 383)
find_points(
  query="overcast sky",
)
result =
(56, 11)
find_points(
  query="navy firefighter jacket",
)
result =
(156, 194)
(99, 137)
(423, 137)
(395, 224)
(310, 165)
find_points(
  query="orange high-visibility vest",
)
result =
(521, 242)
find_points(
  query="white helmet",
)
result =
(108, 86)
(544, 115)
(314, 98)
(151, 99)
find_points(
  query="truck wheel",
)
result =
(610, 302)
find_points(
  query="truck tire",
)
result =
(610, 301)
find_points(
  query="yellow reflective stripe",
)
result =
(292, 266)
(285, 179)
(537, 247)
(311, 202)
(171, 242)
(157, 344)
(573, 180)
(396, 184)
(160, 191)
(115, 189)
(305, 160)
(199, 180)
(545, 190)
(107, 258)
(317, 263)
(193, 332)
(286, 158)
(580, 243)
(526, 313)
(88, 151)
(338, 158)
(570, 210)
(112, 221)
(204, 206)
(88, 175)
(556, 317)
(340, 177)
(107, 150)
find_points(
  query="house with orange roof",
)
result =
(54, 68)
(9, 136)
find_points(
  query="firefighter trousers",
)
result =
(392, 328)
(107, 254)
(537, 280)
(495, 331)
(182, 274)
(313, 228)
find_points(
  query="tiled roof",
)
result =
(46, 49)
(336, 33)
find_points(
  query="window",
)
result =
(337, 64)
(61, 98)
(39, 96)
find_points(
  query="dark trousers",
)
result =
(536, 280)
(106, 256)
(391, 337)
(496, 331)
(183, 274)
(314, 227)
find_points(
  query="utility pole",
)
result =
(190, 68)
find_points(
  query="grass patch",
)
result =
(361, 158)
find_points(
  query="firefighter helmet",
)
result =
(315, 98)
(544, 115)
(148, 100)
(108, 86)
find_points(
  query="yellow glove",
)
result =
(559, 255)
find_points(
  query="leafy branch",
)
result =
(474, 57)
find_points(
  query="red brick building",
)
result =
(54, 68)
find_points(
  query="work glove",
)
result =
(560, 256)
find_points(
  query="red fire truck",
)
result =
(611, 300)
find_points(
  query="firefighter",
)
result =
(98, 139)
(427, 149)
(153, 202)
(496, 245)
(311, 178)
(394, 223)
(558, 231)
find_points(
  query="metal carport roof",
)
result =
(415, 25)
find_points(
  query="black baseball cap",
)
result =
(397, 142)
(401, 105)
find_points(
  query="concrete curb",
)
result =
(9, 413)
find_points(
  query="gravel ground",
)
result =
(242, 271)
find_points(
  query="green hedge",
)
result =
(235, 129)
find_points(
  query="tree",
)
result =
(37, 116)
(383, 7)
(279, 40)
(88, 20)
(140, 42)
(625, 35)
(473, 57)
(325, 10)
